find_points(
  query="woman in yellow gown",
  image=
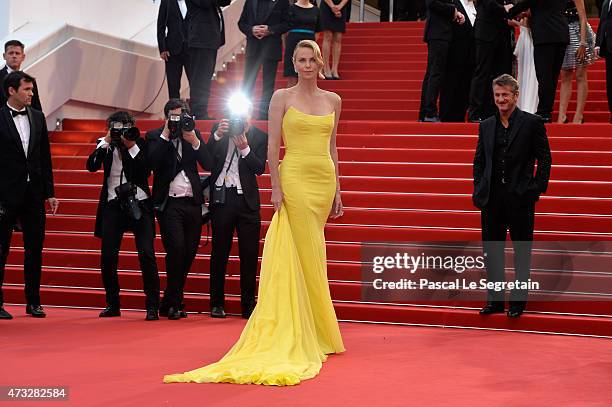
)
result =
(293, 327)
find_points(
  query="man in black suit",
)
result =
(604, 47)
(125, 170)
(25, 184)
(505, 189)
(172, 42)
(263, 22)
(493, 38)
(14, 56)
(205, 34)
(550, 33)
(237, 159)
(441, 15)
(455, 91)
(174, 154)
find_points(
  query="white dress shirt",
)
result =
(23, 128)
(470, 9)
(115, 178)
(231, 177)
(183, 7)
(180, 186)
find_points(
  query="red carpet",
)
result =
(120, 362)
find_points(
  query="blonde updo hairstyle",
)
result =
(310, 44)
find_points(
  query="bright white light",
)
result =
(239, 105)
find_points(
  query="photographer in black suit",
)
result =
(124, 205)
(14, 56)
(25, 184)
(505, 189)
(604, 47)
(205, 34)
(263, 22)
(174, 152)
(238, 153)
(172, 42)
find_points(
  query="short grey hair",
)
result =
(507, 80)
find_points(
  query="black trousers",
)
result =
(251, 70)
(200, 68)
(548, 59)
(31, 213)
(455, 92)
(437, 59)
(174, 73)
(116, 223)
(492, 59)
(501, 214)
(234, 215)
(608, 58)
(180, 225)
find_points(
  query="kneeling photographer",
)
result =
(174, 151)
(125, 205)
(239, 153)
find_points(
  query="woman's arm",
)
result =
(275, 117)
(581, 52)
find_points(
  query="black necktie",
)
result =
(16, 113)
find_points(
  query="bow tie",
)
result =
(16, 113)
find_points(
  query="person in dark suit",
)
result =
(205, 35)
(14, 56)
(550, 31)
(172, 42)
(455, 91)
(441, 15)
(603, 47)
(505, 189)
(125, 164)
(26, 182)
(174, 155)
(237, 159)
(493, 38)
(263, 22)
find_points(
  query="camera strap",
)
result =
(234, 153)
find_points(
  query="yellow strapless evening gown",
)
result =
(293, 326)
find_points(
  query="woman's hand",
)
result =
(581, 53)
(277, 198)
(337, 208)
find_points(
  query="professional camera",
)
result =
(178, 123)
(126, 194)
(118, 129)
(239, 106)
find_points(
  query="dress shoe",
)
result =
(246, 314)
(152, 315)
(217, 312)
(110, 311)
(515, 312)
(492, 309)
(4, 314)
(546, 118)
(174, 313)
(182, 314)
(36, 311)
(431, 119)
(475, 119)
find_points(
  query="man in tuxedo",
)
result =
(550, 32)
(441, 15)
(604, 47)
(237, 159)
(263, 22)
(174, 154)
(14, 56)
(172, 42)
(26, 182)
(205, 34)
(124, 205)
(505, 189)
(455, 91)
(494, 49)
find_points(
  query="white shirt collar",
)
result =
(17, 110)
(8, 69)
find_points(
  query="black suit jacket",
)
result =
(135, 170)
(604, 30)
(16, 165)
(527, 143)
(165, 165)
(462, 50)
(3, 98)
(548, 21)
(248, 167)
(205, 25)
(277, 20)
(491, 20)
(171, 28)
(439, 25)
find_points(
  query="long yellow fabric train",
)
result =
(293, 326)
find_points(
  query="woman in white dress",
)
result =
(528, 81)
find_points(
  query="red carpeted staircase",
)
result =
(402, 181)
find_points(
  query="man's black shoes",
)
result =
(4, 314)
(35, 311)
(492, 308)
(110, 311)
(152, 315)
(217, 312)
(515, 312)
(174, 313)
